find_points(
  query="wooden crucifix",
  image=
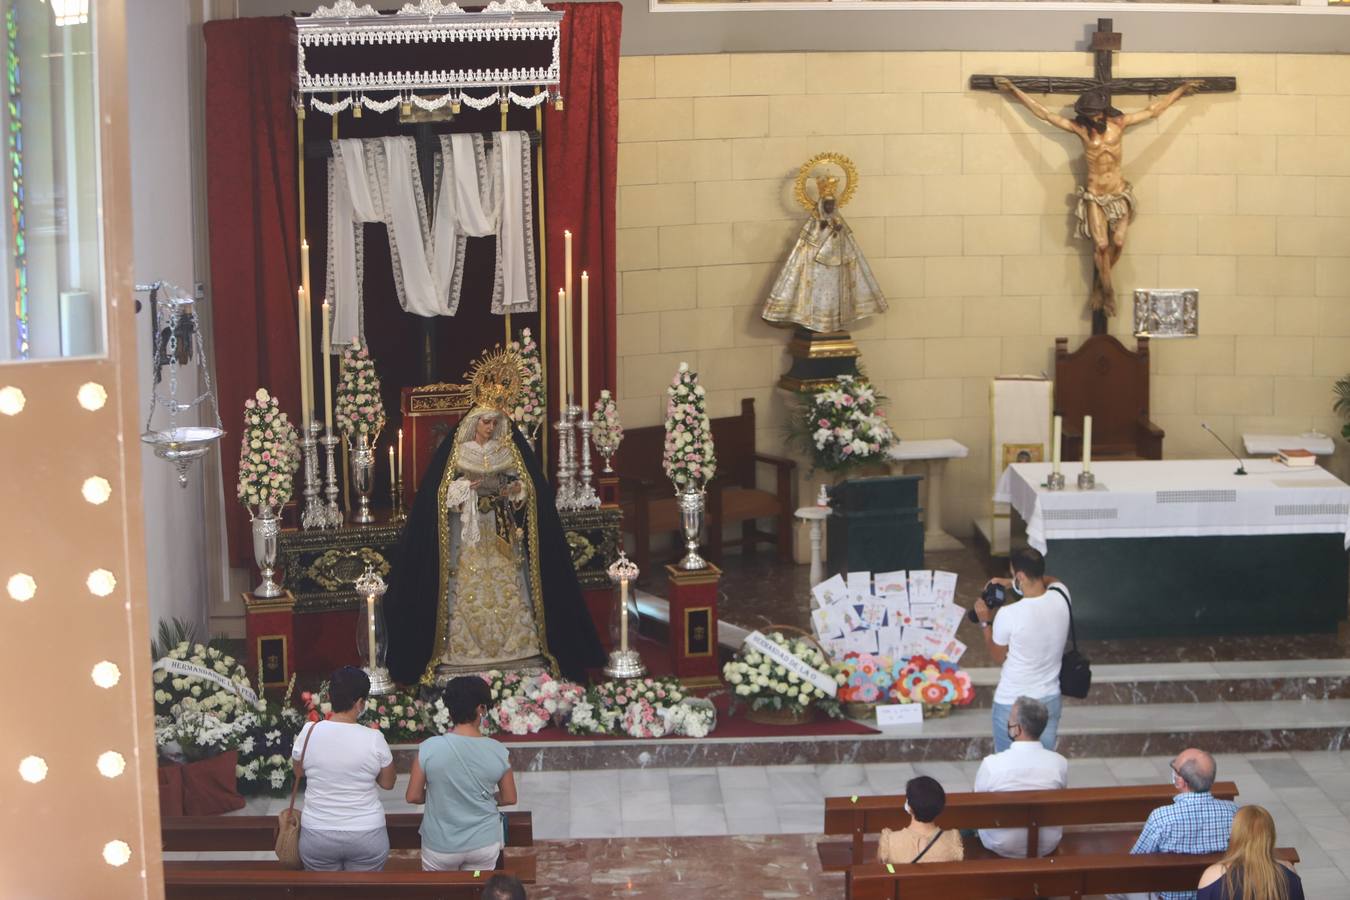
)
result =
(1106, 204)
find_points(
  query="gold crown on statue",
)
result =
(496, 379)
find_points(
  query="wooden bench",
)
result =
(1057, 876)
(402, 879)
(650, 507)
(1032, 810)
(207, 833)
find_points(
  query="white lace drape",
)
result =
(476, 194)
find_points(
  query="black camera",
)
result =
(994, 596)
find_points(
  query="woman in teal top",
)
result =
(462, 777)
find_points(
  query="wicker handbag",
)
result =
(288, 820)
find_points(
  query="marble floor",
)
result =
(658, 833)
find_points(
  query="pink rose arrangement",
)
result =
(843, 425)
(358, 407)
(269, 456)
(519, 715)
(529, 412)
(642, 720)
(606, 430)
(689, 458)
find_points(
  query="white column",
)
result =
(935, 536)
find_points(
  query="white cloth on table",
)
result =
(341, 763)
(1178, 498)
(1035, 630)
(1025, 766)
(1271, 444)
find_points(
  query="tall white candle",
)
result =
(623, 614)
(1087, 443)
(567, 306)
(400, 453)
(327, 359)
(302, 316)
(370, 619)
(1054, 445)
(585, 342)
(562, 346)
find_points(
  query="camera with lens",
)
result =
(994, 596)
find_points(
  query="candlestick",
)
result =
(327, 332)
(1087, 443)
(623, 615)
(585, 341)
(1055, 443)
(302, 318)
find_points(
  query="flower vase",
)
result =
(691, 500)
(789, 715)
(266, 534)
(209, 785)
(363, 477)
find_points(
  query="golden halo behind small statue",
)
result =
(826, 184)
(496, 379)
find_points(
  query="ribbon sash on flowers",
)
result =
(784, 658)
(182, 667)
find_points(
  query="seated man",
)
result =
(1024, 766)
(1196, 822)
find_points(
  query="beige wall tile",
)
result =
(926, 398)
(636, 248)
(1276, 195)
(1046, 275)
(922, 72)
(1240, 154)
(1018, 317)
(636, 76)
(892, 360)
(1224, 315)
(805, 114)
(642, 205)
(923, 154)
(767, 73)
(961, 357)
(763, 242)
(1246, 395)
(1154, 64)
(683, 331)
(655, 120)
(1333, 197)
(1210, 354)
(1312, 74)
(731, 117)
(647, 376)
(962, 195)
(750, 330)
(736, 285)
(743, 367)
(882, 113)
(637, 163)
(731, 201)
(1333, 277)
(1065, 315)
(923, 318)
(1213, 194)
(1170, 153)
(923, 236)
(1314, 235)
(1002, 235)
(1333, 115)
(1299, 315)
(982, 113)
(1255, 72)
(1028, 194)
(639, 334)
(654, 290)
(1171, 395)
(1277, 114)
(1333, 316)
(1274, 275)
(695, 245)
(1303, 396)
(1161, 234)
(844, 73)
(1211, 274)
(703, 75)
(693, 160)
(1331, 356)
(1299, 155)
(1268, 355)
(887, 195)
(781, 157)
(1029, 355)
(899, 278)
(1243, 235)
(966, 276)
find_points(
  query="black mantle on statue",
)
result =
(414, 585)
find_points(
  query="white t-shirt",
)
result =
(1025, 766)
(1035, 630)
(340, 768)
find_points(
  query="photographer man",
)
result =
(1027, 638)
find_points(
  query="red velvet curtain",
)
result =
(251, 213)
(581, 152)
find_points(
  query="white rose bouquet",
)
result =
(689, 458)
(269, 455)
(198, 734)
(264, 765)
(358, 407)
(692, 717)
(175, 694)
(606, 430)
(529, 412)
(519, 715)
(843, 426)
(760, 681)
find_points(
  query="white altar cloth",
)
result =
(1271, 444)
(1177, 498)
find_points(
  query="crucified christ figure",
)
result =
(1106, 203)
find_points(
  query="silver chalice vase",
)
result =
(691, 521)
(363, 477)
(266, 536)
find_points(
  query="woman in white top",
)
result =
(342, 824)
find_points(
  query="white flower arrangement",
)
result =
(844, 425)
(264, 765)
(529, 412)
(689, 458)
(358, 407)
(760, 681)
(269, 456)
(198, 734)
(643, 720)
(519, 715)
(692, 717)
(175, 694)
(606, 429)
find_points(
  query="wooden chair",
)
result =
(1104, 380)
(1058, 876)
(651, 508)
(1032, 810)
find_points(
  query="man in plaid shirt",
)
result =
(1195, 822)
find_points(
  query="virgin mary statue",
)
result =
(484, 577)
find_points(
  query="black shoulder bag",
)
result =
(926, 849)
(1075, 669)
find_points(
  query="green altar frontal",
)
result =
(875, 525)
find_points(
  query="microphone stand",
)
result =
(1241, 469)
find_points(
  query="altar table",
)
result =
(1173, 547)
(935, 453)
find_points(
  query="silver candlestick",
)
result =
(332, 511)
(624, 662)
(586, 497)
(1086, 480)
(1054, 481)
(314, 514)
(564, 486)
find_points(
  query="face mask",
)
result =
(1016, 586)
(907, 811)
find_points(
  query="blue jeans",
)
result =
(1002, 711)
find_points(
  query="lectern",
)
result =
(875, 525)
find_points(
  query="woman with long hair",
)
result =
(1249, 870)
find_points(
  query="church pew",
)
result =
(1058, 876)
(402, 879)
(1008, 809)
(217, 833)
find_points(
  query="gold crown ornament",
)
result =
(827, 185)
(496, 379)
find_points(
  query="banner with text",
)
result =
(192, 670)
(783, 656)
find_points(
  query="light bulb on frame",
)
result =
(111, 764)
(21, 587)
(92, 396)
(101, 582)
(116, 853)
(96, 490)
(12, 400)
(32, 769)
(106, 674)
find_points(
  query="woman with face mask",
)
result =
(922, 841)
